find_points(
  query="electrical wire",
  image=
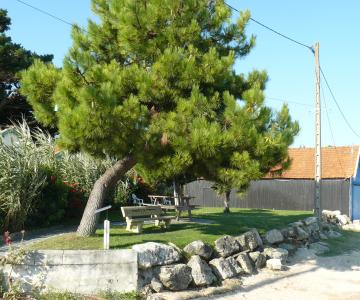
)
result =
(337, 104)
(273, 30)
(288, 101)
(331, 131)
(49, 14)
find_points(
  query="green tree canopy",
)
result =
(13, 58)
(153, 84)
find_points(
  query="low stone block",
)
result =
(225, 268)
(310, 220)
(226, 246)
(301, 234)
(199, 248)
(276, 253)
(333, 234)
(274, 264)
(260, 261)
(254, 255)
(343, 219)
(274, 236)
(201, 272)
(155, 254)
(156, 285)
(175, 277)
(249, 240)
(245, 263)
(289, 247)
(319, 248)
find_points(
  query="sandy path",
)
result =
(309, 277)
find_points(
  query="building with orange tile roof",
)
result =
(337, 163)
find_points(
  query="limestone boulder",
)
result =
(333, 234)
(319, 248)
(175, 277)
(225, 267)
(260, 261)
(310, 220)
(330, 213)
(249, 240)
(274, 236)
(156, 285)
(199, 248)
(323, 236)
(274, 264)
(201, 272)
(146, 275)
(285, 232)
(155, 254)
(226, 246)
(276, 253)
(245, 263)
(314, 227)
(297, 224)
(254, 256)
(291, 248)
(301, 234)
(343, 219)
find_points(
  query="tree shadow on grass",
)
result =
(232, 224)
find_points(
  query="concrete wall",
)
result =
(79, 271)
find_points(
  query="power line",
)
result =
(337, 104)
(273, 30)
(48, 14)
(288, 101)
(331, 131)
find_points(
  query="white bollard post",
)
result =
(106, 235)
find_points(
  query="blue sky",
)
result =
(335, 24)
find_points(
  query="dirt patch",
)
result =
(308, 277)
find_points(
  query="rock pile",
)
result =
(335, 218)
(199, 265)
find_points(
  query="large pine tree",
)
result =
(153, 84)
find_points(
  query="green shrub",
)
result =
(53, 205)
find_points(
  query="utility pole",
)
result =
(317, 197)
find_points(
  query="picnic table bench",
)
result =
(183, 204)
(136, 216)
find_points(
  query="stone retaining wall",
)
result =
(80, 271)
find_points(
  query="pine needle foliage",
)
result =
(155, 80)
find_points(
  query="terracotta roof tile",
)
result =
(337, 162)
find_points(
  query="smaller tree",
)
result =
(14, 58)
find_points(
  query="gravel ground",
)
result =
(309, 277)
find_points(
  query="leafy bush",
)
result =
(53, 204)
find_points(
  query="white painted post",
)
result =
(106, 235)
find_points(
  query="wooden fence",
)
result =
(276, 194)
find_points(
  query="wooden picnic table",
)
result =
(184, 204)
(159, 200)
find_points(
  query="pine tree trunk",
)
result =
(100, 191)
(227, 203)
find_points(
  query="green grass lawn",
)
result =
(235, 223)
